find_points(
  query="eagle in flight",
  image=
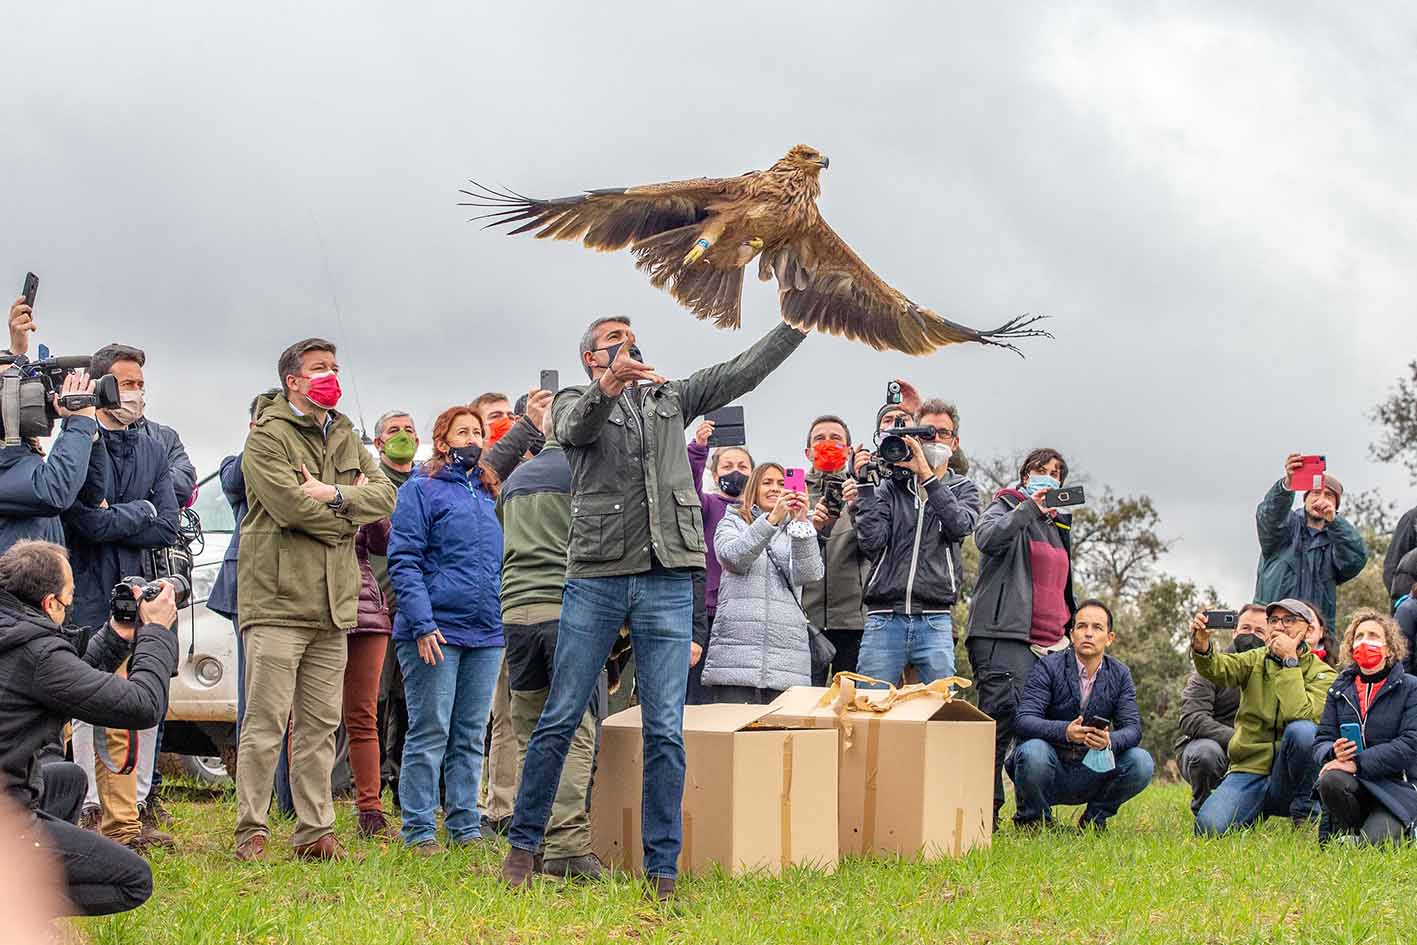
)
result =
(694, 237)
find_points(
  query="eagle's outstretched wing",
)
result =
(823, 285)
(659, 222)
(606, 220)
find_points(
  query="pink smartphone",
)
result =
(795, 480)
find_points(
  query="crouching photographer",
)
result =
(912, 525)
(44, 681)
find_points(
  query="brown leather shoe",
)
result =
(663, 888)
(518, 867)
(428, 848)
(325, 848)
(252, 848)
(373, 824)
(151, 838)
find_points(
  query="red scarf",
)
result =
(1367, 692)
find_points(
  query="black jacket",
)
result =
(913, 534)
(35, 490)
(1387, 765)
(1207, 711)
(184, 474)
(1002, 606)
(129, 470)
(44, 682)
(1404, 540)
(1404, 575)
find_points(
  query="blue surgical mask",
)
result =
(1100, 760)
(1038, 481)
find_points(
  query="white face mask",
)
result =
(936, 454)
(130, 409)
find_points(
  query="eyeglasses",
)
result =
(1288, 621)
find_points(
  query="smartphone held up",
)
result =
(795, 480)
(1309, 476)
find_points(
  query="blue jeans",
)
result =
(890, 641)
(1042, 779)
(658, 606)
(448, 706)
(1243, 798)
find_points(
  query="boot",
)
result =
(155, 812)
(663, 888)
(575, 867)
(88, 817)
(326, 848)
(518, 867)
(373, 825)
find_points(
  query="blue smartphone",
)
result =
(1353, 732)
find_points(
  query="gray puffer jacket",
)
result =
(759, 633)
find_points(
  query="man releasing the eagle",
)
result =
(695, 236)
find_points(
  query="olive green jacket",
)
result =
(1271, 696)
(631, 489)
(296, 566)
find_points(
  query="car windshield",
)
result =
(212, 508)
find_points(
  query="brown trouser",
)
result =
(501, 770)
(361, 715)
(294, 673)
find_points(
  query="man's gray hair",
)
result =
(386, 417)
(588, 339)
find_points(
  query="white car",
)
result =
(201, 708)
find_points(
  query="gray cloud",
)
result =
(1213, 203)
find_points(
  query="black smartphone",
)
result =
(31, 287)
(1098, 722)
(728, 429)
(550, 380)
(1063, 498)
(1221, 619)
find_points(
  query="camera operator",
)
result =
(912, 525)
(133, 389)
(44, 682)
(126, 511)
(35, 489)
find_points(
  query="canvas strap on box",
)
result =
(843, 696)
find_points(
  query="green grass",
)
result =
(1146, 880)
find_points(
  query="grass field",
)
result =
(1146, 880)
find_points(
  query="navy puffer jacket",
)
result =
(1387, 765)
(445, 560)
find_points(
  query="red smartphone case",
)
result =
(1309, 476)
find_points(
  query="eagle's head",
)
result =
(805, 158)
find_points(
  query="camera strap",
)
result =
(10, 406)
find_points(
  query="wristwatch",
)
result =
(337, 501)
(1291, 663)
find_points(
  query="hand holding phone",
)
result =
(1099, 723)
(1354, 733)
(31, 287)
(1306, 473)
(1221, 619)
(1063, 498)
(550, 380)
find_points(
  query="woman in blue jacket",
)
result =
(1369, 785)
(445, 561)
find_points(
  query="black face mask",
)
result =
(732, 483)
(613, 352)
(1244, 642)
(465, 456)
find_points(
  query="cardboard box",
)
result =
(754, 797)
(917, 779)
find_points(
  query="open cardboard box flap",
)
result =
(715, 718)
(802, 705)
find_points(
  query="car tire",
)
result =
(205, 769)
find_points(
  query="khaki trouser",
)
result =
(117, 793)
(568, 830)
(294, 673)
(501, 768)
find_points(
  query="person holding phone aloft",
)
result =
(1306, 553)
(768, 549)
(1368, 785)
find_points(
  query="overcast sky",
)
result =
(1215, 205)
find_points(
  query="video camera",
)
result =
(28, 389)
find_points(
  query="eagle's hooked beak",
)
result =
(825, 162)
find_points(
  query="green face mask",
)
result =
(400, 447)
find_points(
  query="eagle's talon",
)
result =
(697, 253)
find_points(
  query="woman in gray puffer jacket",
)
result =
(760, 644)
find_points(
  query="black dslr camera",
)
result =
(27, 406)
(124, 606)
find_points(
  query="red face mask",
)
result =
(1368, 655)
(828, 456)
(498, 429)
(324, 390)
